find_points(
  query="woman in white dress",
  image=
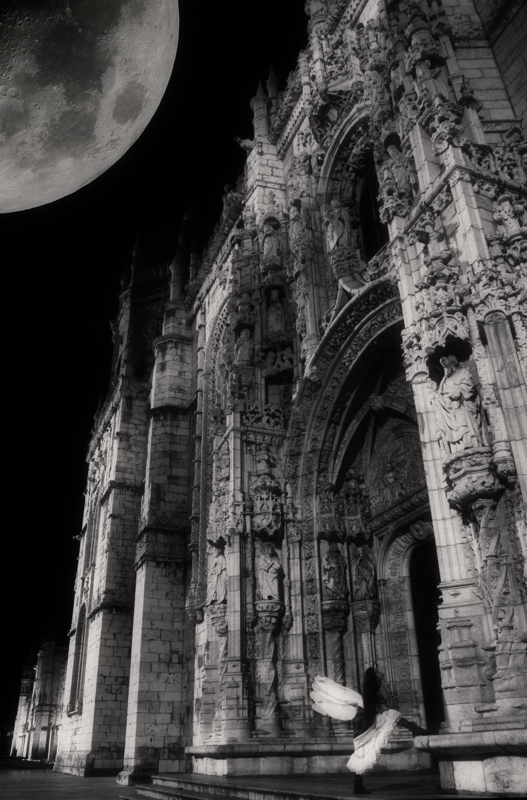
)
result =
(373, 721)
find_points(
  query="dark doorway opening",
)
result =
(424, 581)
(374, 233)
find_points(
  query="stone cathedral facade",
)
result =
(313, 455)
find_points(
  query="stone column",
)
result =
(334, 617)
(269, 614)
(236, 726)
(295, 682)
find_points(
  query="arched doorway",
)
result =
(424, 582)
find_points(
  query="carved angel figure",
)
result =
(459, 416)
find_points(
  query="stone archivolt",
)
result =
(350, 359)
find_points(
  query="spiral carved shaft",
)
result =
(337, 641)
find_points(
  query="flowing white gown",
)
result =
(337, 701)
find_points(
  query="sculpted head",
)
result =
(449, 364)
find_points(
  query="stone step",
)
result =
(156, 792)
(386, 785)
(202, 787)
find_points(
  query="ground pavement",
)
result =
(23, 784)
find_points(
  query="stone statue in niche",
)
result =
(275, 313)
(392, 485)
(217, 576)
(334, 574)
(405, 177)
(244, 348)
(363, 576)
(270, 243)
(431, 86)
(269, 572)
(338, 224)
(459, 415)
(296, 226)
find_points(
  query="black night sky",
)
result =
(61, 266)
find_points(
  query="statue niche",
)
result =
(271, 250)
(459, 417)
(275, 313)
(269, 573)
(244, 348)
(334, 586)
(217, 574)
(363, 576)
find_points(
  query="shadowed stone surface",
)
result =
(30, 785)
(79, 82)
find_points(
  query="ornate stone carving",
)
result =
(338, 226)
(501, 581)
(334, 585)
(216, 575)
(269, 573)
(265, 492)
(278, 360)
(396, 474)
(269, 613)
(399, 184)
(470, 475)
(459, 417)
(363, 576)
(244, 348)
(275, 312)
(268, 415)
(330, 510)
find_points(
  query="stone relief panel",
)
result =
(396, 470)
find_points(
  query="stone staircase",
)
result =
(335, 786)
(202, 787)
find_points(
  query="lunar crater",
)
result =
(79, 81)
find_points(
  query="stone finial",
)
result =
(260, 115)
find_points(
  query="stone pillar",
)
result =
(269, 614)
(295, 682)
(237, 725)
(156, 695)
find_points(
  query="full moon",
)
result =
(79, 82)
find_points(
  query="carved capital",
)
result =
(269, 614)
(366, 614)
(335, 614)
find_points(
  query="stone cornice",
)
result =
(450, 177)
(108, 605)
(121, 486)
(172, 338)
(496, 742)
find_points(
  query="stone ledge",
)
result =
(344, 746)
(501, 742)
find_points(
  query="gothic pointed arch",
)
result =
(355, 466)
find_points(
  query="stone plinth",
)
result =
(487, 761)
